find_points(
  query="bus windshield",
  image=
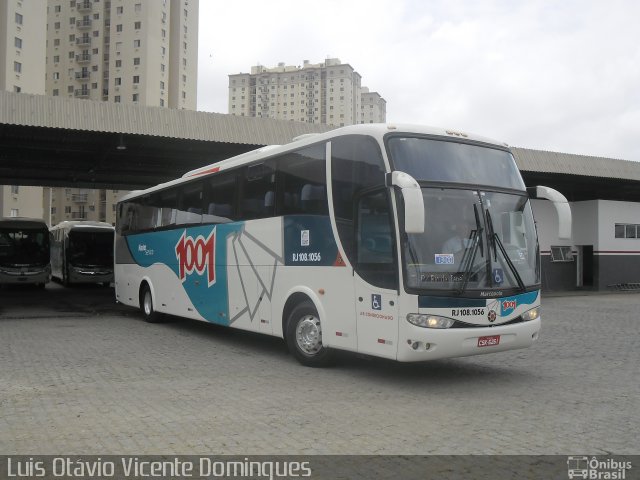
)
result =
(21, 246)
(90, 248)
(474, 240)
(447, 161)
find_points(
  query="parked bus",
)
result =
(82, 252)
(341, 241)
(24, 251)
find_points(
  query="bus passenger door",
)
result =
(376, 276)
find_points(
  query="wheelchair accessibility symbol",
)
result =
(498, 276)
(376, 302)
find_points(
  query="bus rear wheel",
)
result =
(304, 336)
(146, 305)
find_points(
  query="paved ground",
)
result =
(81, 375)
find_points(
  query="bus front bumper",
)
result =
(418, 344)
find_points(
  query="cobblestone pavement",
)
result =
(81, 375)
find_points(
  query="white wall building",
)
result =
(327, 93)
(22, 69)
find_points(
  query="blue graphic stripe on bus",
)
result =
(509, 304)
(450, 302)
(309, 240)
(198, 257)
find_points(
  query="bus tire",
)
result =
(304, 336)
(146, 305)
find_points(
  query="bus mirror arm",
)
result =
(560, 203)
(413, 200)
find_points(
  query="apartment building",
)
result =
(329, 93)
(373, 107)
(22, 69)
(127, 51)
(123, 51)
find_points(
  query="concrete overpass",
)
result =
(54, 141)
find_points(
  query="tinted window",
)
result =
(220, 192)
(190, 205)
(356, 165)
(258, 193)
(443, 161)
(303, 182)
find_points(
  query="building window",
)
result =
(135, 97)
(161, 85)
(137, 25)
(67, 209)
(163, 33)
(162, 67)
(72, 21)
(56, 9)
(17, 67)
(136, 61)
(17, 89)
(627, 230)
(18, 19)
(136, 43)
(17, 42)
(561, 254)
(15, 189)
(15, 212)
(119, 27)
(56, 75)
(116, 99)
(118, 63)
(70, 89)
(118, 81)
(138, 7)
(119, 10)
(136, 79)
(56, 92)
(56, 42)
(56, 25)
(162, 102)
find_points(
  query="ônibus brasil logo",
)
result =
(197, 255)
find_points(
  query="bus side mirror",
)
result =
(413, 201)
(562, 207)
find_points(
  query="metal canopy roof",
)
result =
(57, 141)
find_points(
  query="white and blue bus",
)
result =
(408, 243)
(82, 252)
(24, 251)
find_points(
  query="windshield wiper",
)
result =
(495, 239)
(468, 260)
(475, 240)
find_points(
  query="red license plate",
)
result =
(489, 341)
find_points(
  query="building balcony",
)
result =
(83, 76)
(81, 93)
(80, 197)
(83, 58)
(84, 6)
(84, 24)
(79, 215)
(83, 41)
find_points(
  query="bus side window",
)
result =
(302, 181)
(220, 198)
(190, 205)
(256, 203)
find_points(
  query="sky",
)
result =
(558, 75)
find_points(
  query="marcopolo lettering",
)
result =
(197, 255)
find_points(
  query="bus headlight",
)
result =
(531, 314)
(429, 321)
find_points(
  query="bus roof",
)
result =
(23, 222)
(79, 224)
(376, 130)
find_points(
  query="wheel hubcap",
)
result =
(309, 335)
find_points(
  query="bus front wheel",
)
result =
(146, 305)
(304, 336)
